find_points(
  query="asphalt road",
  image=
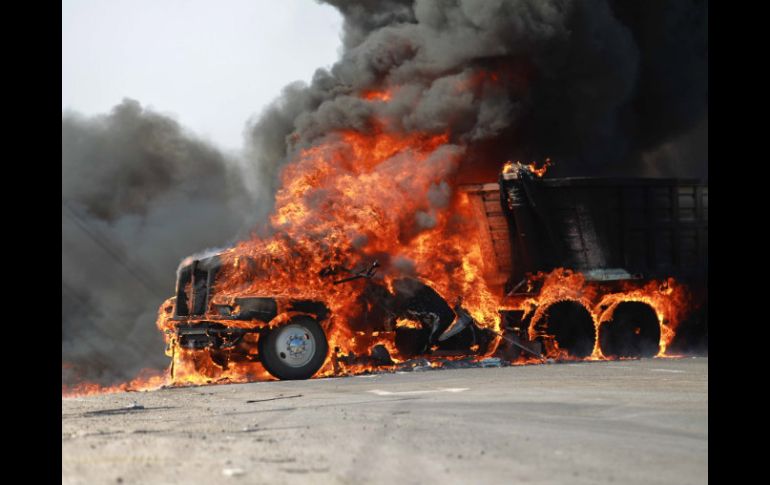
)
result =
(624, 422)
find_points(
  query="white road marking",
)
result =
(233, 472)
(674, 371)
(423, 391)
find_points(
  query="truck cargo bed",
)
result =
(647, 227)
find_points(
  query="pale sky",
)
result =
(210, 65)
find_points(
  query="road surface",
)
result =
(626, 422)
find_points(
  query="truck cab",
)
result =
(290, 337)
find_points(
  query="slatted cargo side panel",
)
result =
(586, 221)
(649, 226)
(493, 230)
(666, 228)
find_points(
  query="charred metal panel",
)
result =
(209, 334)
(262, 309)
(309, 306)
(183, 278)
(525, 256)
(650, 227)
(200, 275)
(199, 288)
(194, 336)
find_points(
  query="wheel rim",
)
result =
(295, 345)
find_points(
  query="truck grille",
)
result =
(194, 286)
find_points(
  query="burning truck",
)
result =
(583, 268)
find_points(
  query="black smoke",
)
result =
(138, 194)
(601, 87)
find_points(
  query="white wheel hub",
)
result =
(295, 345)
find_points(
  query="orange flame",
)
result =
(147, 380)
(355, 197)
(377, 95)
(539, 172)
(670, 300)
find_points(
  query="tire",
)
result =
(411, 342)
(276, 349)
(633, 331)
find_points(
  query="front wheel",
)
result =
(295, 350)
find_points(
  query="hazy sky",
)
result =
(211, 65)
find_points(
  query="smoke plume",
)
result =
(600, 87)
(138, 194)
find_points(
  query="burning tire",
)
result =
(571, 325)
(411, 342)
(295, 350)
(633, 331)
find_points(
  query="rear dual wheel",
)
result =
(295, 350)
